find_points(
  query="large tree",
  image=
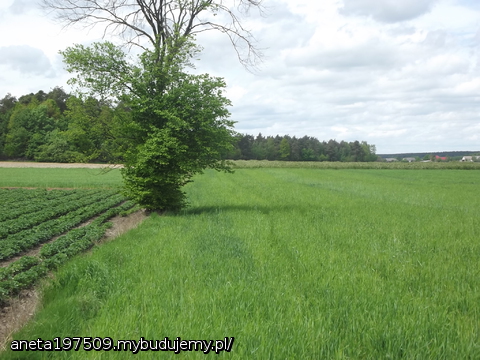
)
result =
(175, 124)
(164, 24)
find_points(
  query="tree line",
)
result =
(307, 148)
(59, 127)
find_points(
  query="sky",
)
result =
(401, 75)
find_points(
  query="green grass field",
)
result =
(293, 263)
(60, 178)
(418, 165)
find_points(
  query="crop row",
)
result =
(41, 210)
(15, 199)
(19, 195)
(63, 242)
(26, 239)
(17, 208)
(28, 269)
(64, 206)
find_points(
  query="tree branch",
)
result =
(162, 22)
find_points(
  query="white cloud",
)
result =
(26, 60)
(469, 87)
(389, 11)
(19, 7)
(372, 54)
(358, 101)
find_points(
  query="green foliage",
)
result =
(85, 129)
(58, 127)
(177, 123)
(83, 133)
(58, 149)
(16, 142)
(287, 148)
(28, 126)
(284, 151)
(27, 231)
(30, 217)
(192, 136)
(24, 263)
(39, 215)
(181, 130)
(101, 69)
(7, 104)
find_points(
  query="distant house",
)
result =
(442, 158)
(409, 159)
(467, 158)
(390, 159)
(470, 158)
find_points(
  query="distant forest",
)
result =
(59, 127)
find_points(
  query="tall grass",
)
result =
(294, 263)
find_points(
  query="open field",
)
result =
(60, 177)
(453, 165)
(45, 165)
(293, 263)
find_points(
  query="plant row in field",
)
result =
(49, 210)
(26, 239)
(14, 207)
(17, 199)
(28, 269)
(73, 236)
(12, 197)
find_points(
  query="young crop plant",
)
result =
(24, 233)
(47, 210)
(65, 241)
(99, 205)
(21, 265)
(14, 209)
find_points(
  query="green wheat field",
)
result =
(293, 263)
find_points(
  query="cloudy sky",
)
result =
(402, 75)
